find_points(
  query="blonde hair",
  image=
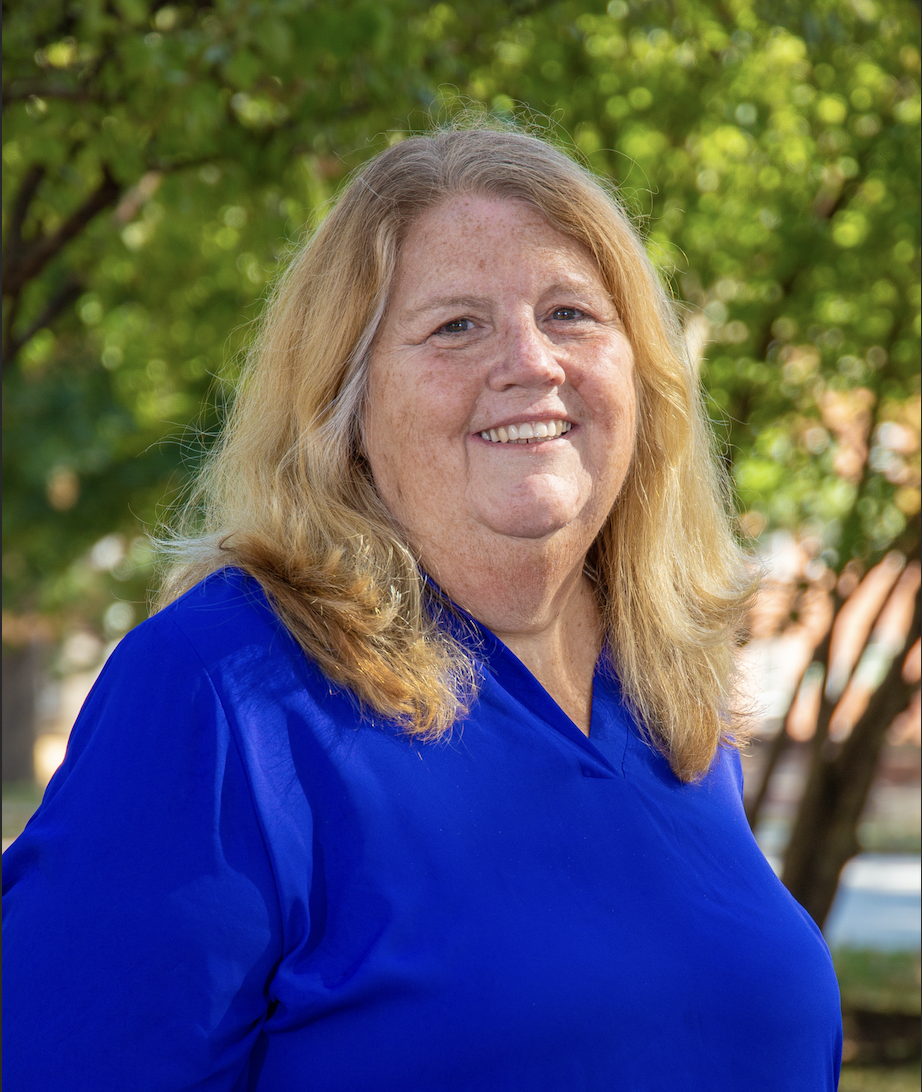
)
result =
(288, 497)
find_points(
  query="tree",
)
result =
(161, 159)
(860, 675)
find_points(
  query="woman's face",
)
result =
(498, 326)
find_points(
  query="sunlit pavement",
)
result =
(879, 903)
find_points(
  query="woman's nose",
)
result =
(527, 358)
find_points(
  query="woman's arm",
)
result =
(141, 921)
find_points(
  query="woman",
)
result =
(425, 780)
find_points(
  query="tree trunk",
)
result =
(825, 833)
(782, 738)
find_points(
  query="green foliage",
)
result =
(768, 150)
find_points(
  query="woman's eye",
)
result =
(567, 314)
(456, 326)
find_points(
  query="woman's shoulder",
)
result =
(223, 634)
(213, 674)
(226, 597)
(226, 615)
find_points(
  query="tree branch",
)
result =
(166, 166)
(20, 209)
(783, 737)
(9, 321)
(62, 299)
(11, 97)
(20, 267)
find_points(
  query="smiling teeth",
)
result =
(527, 433)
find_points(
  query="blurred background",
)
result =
(162, 160)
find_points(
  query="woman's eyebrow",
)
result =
(441, 302)
(579, 285)
(575, 284)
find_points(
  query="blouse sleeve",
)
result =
(141, 919)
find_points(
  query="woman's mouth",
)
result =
(529, 432)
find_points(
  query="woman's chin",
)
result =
(537, 523)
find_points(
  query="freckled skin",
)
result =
(496, 318)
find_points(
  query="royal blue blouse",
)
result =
(240, 880)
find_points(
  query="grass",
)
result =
(880, 1079)
(880, 981)
(885, 983)
(887, 836)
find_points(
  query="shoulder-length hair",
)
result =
(287, 494)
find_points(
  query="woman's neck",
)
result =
(543, 608)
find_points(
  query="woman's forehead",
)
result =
(475, 238)
(482, 213)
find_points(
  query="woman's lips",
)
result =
(526, 432)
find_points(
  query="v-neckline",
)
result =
(520, 683)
